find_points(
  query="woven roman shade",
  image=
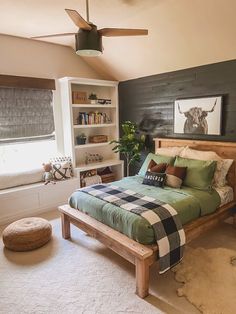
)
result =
(26, 114)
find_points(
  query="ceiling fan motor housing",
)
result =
(88, 43)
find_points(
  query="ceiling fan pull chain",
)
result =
(87, 10)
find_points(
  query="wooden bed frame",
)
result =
(143, 256)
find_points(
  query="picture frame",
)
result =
(79, 97)
(198, 115)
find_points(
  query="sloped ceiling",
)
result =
(182, 33)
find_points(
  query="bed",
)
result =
(133, 238)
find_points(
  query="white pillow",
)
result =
(170, 151)
(222, 167)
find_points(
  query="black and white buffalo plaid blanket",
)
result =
(164, 219)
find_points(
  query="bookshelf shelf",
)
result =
(91, 145)
(97, 165)
(87, 112)
(104, 125)
(93, 106)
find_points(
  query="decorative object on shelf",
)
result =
(79, 97)
(102, 101)
(93, 98)
(198, 115)
(130, 144)
(88, 173)
(62, 168)
(48, 173)
(89, 177)
(92, 158)
(106, 175)
(98, 139)
(81, 139)
(92, 180)
(92, 117)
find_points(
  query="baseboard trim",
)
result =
(27, 213)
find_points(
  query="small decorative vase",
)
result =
(80, 140)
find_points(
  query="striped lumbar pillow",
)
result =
(175, 176)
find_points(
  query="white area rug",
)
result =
(78, 276)
(209, 278)
(81, 276)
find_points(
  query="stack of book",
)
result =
(93, 118)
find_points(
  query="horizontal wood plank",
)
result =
(27, 82)
(192, 142)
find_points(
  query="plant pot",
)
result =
(80, 140)
(93, 101)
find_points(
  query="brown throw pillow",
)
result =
(154, 167)
(175, 176)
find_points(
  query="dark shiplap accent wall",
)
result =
(154, 96)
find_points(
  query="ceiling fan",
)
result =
(88, 39)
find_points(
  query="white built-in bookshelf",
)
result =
(97, 119)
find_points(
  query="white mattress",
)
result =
(226, 194)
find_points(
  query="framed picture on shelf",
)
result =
(200, 115)
(79, 97)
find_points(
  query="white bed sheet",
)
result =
(226, 194)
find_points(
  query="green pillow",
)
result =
(158, 159)
(200, 173)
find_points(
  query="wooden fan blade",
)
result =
(110, 32)
(78, 20)
(53, 35)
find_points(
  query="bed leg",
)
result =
(65, 226)
(142, 277)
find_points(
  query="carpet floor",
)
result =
(81, 276)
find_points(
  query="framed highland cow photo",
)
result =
(198, 116)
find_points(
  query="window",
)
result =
(27, 131)
(25, 114)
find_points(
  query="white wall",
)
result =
(26, 57)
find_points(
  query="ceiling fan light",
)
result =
(88, 43)
(88, 53)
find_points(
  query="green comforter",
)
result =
(189, 203)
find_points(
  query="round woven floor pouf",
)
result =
(27, 234)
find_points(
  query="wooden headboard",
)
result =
(226, 150)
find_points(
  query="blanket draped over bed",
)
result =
(163, 218)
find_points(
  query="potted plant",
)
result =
(81, 139)
(93, 98)
(130, 144)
